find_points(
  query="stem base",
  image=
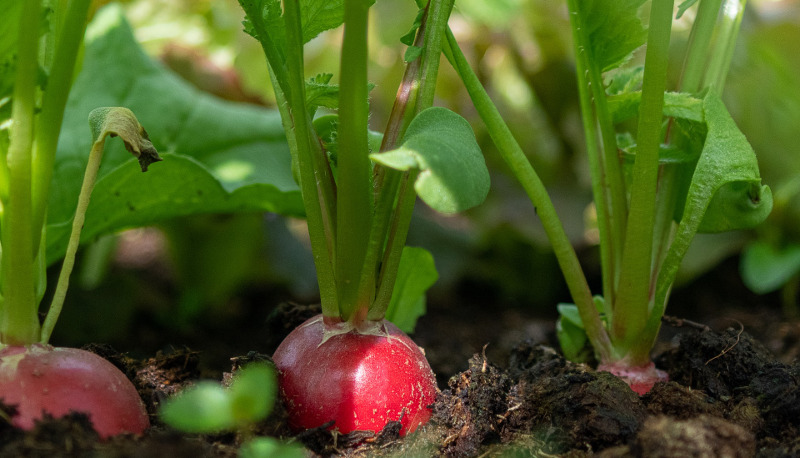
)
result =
(640, 378)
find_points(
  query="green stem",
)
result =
(669, 187)
(594, 153)
(633, 297)
(727, 31)
(387, 181)
(696, 62)
(89, 179)
(54, 100)
(612, 181)
(432, 32)
(354, 193)
(512, 153)
(394, 246)
(315, 182)
(713, 79)
(19, 323)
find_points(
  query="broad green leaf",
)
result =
(441, 145)
(614, 30)
(726, 158)
(726, 176)
(204, 408)
(218, 156)
(253, 393)
(415, 275)
(765, 268)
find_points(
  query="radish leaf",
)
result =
(614, 29)
(204, 408)
(253, 393)
(121, 122)
(765, 268)
(218, 156)
(417, 273)
(441, 145)
(726, 163)
(207, 407)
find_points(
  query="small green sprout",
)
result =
(208, 408)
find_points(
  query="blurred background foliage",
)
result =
(214, 267)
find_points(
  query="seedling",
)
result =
(685, 169)
(208, 408)
(350, 365)
(34, 376)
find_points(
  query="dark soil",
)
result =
(729, 395)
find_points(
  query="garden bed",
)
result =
(506, 390)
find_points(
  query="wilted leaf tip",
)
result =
(121, 122)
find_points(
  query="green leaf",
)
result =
(413, 52)
(9, 30)
(218, 156)
(571, 335)
(726, 158)
(316, 16)
(326, 128)
(625, 80)
(253, 393)
(614, 30)
(765, 267)
(625, 106)
(441, 145)
(204, 408)
(269, 447)
(319, 93)
(207, 407)
(416, 273)
(121, 122)
(727, 165)
(737, 205)
(685, 5)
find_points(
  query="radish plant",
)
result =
(684, 168)
(350, 365)
(35, 378)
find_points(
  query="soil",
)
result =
(504, 391)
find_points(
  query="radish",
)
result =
(360, 379)
(43, 379)
(36, 378)
(350, 364)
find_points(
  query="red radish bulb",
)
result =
(42, 378)
(361, 380)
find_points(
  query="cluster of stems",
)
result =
(357, 222)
